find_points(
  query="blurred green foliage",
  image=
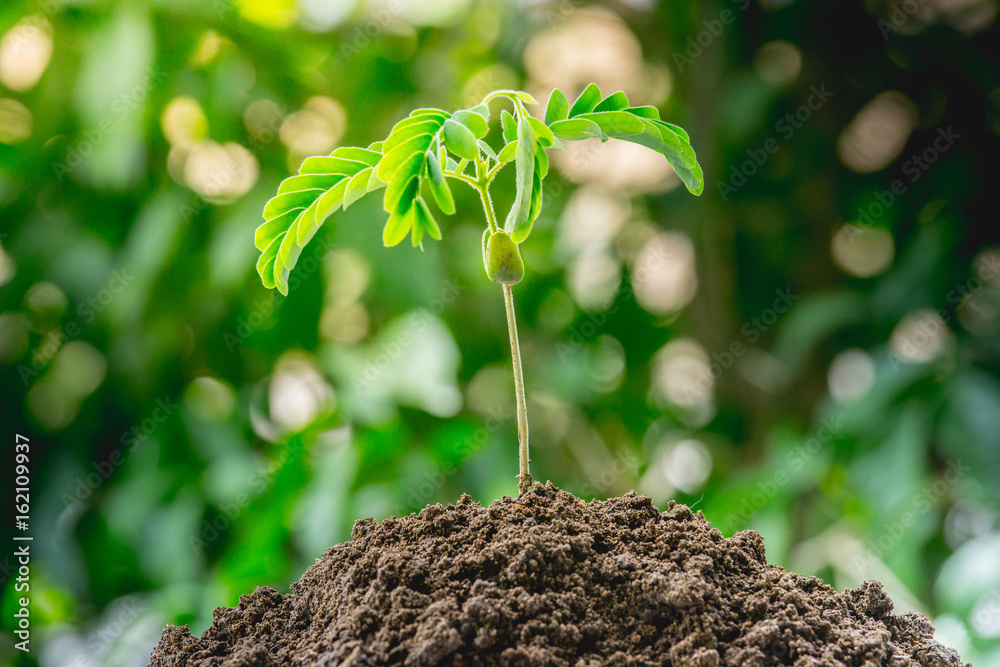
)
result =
(810, 349)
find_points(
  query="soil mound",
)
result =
(546, 579)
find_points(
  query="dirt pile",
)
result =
(546, 579)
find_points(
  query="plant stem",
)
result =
(524, 477)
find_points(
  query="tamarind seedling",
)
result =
(432, 147)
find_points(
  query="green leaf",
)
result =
(542, 133)
(576, 128)
(693, 178)
(439, 185)
(409, 131)
(536, 194)
(557, 107)
(614, 102)
(430, 112)
(410, 121)
(403, 182)
(417, 231)
(374, 182)
(518, 222)
(460, 140)
(678, 152)
(291, 247)
(392, 160)
(486, 148)
(265, 264)
(476, 123)
(588, 99)
(397, 227)
(308, 182)
(519, 95)
(273, 228)
(331, 165)
(541, 163)
(357, 187)
(331, 200)
(649, 112)
(616, 124)
(508, 152)
(666, 142)
(367, 156)
(483, 110)
(424, 219)
(289, 201)
(676, 129)
(509, 126)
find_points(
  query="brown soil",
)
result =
(546, 579)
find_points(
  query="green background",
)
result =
(194, 435)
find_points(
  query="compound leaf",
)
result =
(414, 153)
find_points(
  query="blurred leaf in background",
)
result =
(810, 349)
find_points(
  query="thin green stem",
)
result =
(462, 177)
(524, 476)
(491, 174)
(491, 217)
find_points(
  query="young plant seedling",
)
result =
(430, 147)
